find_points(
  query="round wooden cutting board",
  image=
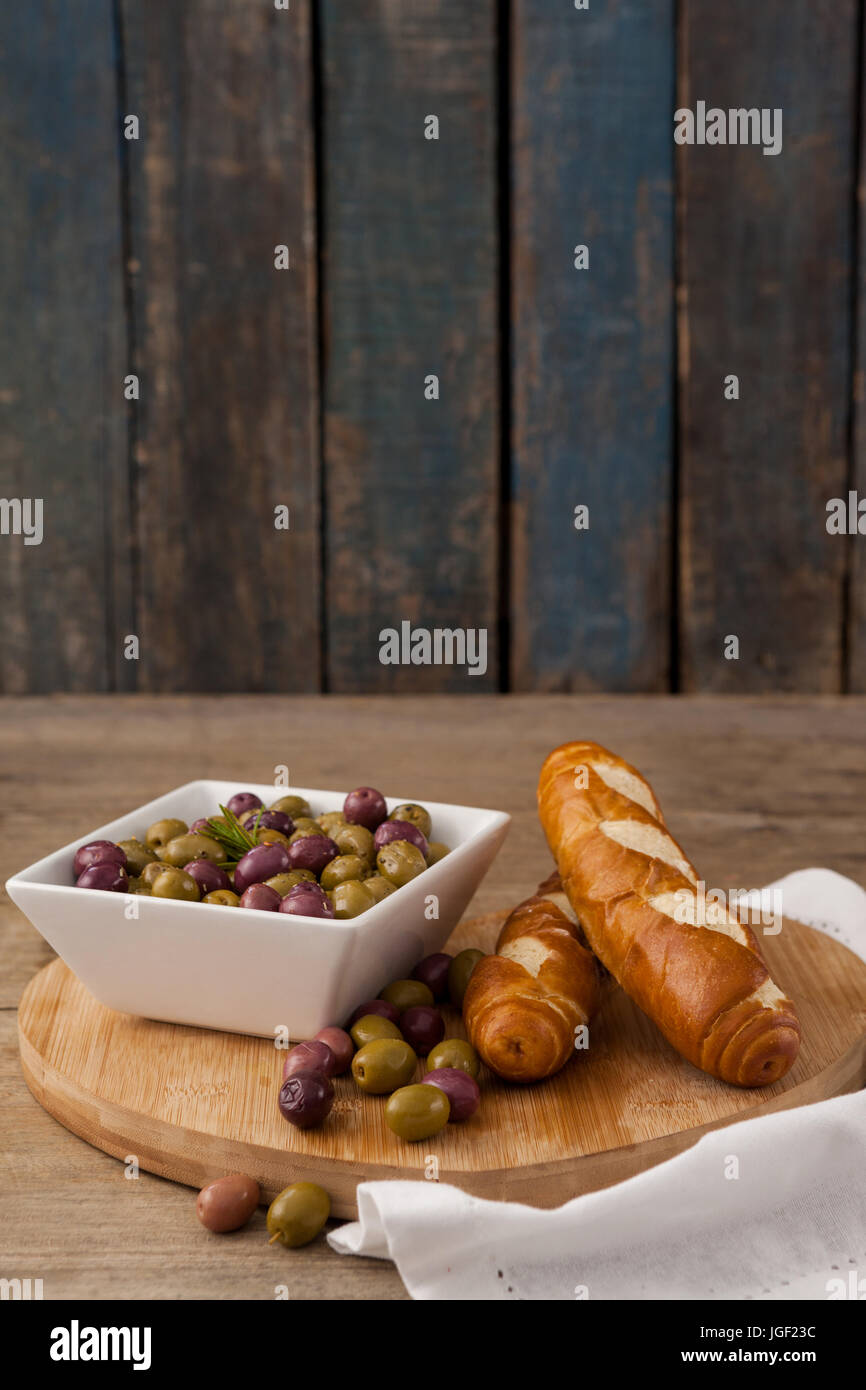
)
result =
(192, 1104)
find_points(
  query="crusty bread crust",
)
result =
(704, 984)
(524, 1004)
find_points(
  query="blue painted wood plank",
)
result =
(410, 291)
(63, 436)
(766, 260)
(226, 344)
(593, 349)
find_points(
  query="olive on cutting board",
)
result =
(417, 1112)
(373, 1026)
(383, 1065)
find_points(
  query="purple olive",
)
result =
(307, 900)
(269, 820)
(365, 806)
(200, 826)
(260, 896)
(422, 1026)
(313, 1056)
(312, 852)
(209, 877)
(400, 830)
(109, 875)
(432, 971)
(375, 1006)
(97, 852)
(460, 1088)
(260, 863)
(306, 1099)
(242, 801)
(341, 1047)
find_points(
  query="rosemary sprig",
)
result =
(235, 840)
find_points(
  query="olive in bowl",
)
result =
(365, 806)
(107, 875)
(294, 806)
(261, 897)
(307, 900)
(391, 830)
(261, 863)
(350, 899)
(182, 848)
(400, 862)
(242, 802)
(99, 852)
(162, 831)
(311, 852)
(416, 815)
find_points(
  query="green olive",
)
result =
(137, 855)
(293, 806)
(222, 897)
(341, 869)
(379, 887)
(182, 849)
(305, 828)
(355, 839)
(456, 1053)
(459, 971)
(351, 898)
(267, 836)
(370, 1026)
(383, 1065)
(151, 871)
(283, 882)
(138, 885)
(297, 1214)
(436, 851)
(308, 825)
(417, 1112)
(162, 831)
(331, 821)
(406, 994)
(415, 815)
(400, 862)
(174, 883)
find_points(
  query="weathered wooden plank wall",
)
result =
(593, 355)
(410, 291)
(767, 270)
(225, 344)
(62, 413)
(855, 673)
(412, 257)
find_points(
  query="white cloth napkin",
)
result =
(791, 1223)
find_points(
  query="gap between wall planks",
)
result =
(593, 350)
(767, 270)
(409, 290)
(62, 413)
(226, 344)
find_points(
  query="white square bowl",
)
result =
(239, 969)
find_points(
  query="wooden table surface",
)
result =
(754, 788)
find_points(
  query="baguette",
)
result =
(524, 1004)
(634, 890)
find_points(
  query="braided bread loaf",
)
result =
(632, 887)
(523, 1005)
